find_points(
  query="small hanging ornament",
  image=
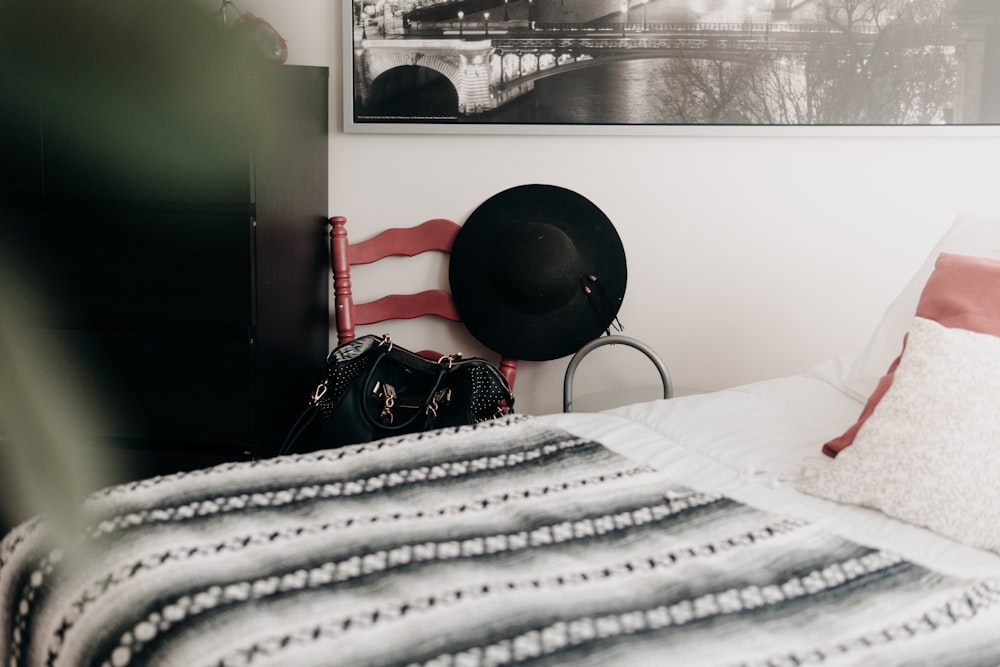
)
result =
(261, 35)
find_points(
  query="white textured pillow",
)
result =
(930, 452)
(974, 234)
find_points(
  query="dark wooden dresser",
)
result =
(176, 252)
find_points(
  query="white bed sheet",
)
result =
(752, 443)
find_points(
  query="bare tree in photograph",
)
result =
(776, 95)
(888, 63)
(709, 91)
(894, 65)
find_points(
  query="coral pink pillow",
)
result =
(962, 293)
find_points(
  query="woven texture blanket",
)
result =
(507, 543)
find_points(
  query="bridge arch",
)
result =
(412, 90)
(464, 64)
(380, 66)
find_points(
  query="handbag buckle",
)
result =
(442, 396)
(387, 392)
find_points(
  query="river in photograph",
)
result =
(623, 92)
(634, 91)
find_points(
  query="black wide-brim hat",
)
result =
(537, 272)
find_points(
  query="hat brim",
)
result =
(485, 242)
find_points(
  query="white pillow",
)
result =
(975, 234)
(929, 454)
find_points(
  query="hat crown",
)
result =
(543, 271)
(521, 272)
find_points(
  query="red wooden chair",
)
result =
(437, 235)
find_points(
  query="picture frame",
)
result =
(491, 67)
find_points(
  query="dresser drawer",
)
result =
(135, 269)
(165, 387)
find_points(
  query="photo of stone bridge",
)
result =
(485, 55)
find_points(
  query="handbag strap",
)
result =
(305, 419)
(443, 364)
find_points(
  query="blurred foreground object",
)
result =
(124, 125)
(44, 409)
(138, 96)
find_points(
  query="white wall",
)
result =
(749, 257)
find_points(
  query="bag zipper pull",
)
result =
(319, 392)
(442, 396)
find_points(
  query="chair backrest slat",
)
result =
(437, 234)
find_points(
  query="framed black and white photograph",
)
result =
(672, 66)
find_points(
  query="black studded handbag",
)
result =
(375, 388)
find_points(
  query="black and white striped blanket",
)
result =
(507, 543)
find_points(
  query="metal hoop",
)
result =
(668, 386)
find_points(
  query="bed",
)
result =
(691, 531)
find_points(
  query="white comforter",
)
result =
(753, 442)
